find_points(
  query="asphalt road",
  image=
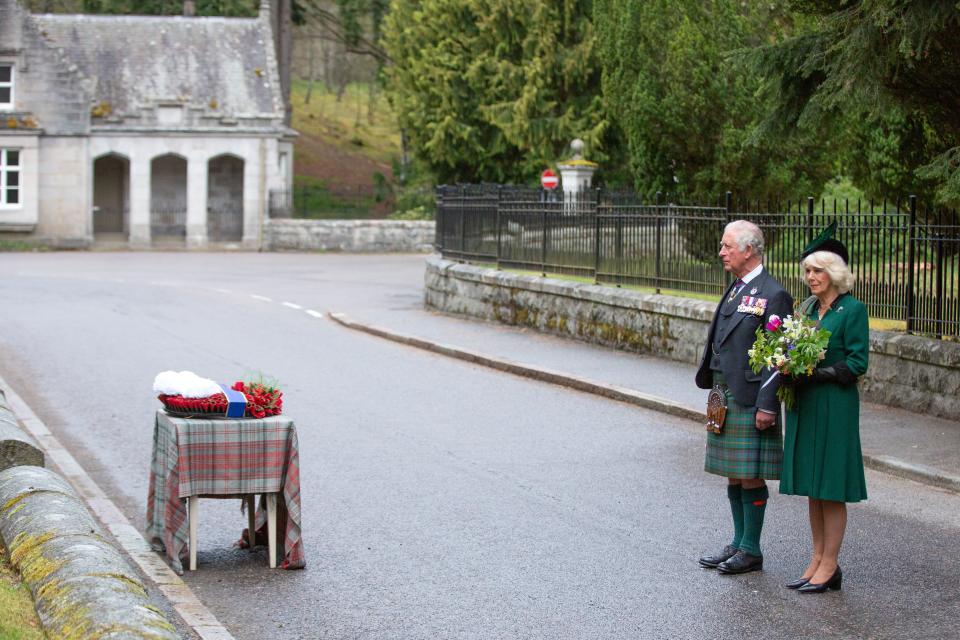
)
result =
(440, 499)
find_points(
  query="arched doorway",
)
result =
(168, 197)
(111, 197)
(225, 199)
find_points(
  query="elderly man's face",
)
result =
(734, 260)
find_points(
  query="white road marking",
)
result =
(264, 298)
(291, 305)
(223, 290)
(315, 314)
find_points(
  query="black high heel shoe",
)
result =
(796, 584)
(834, 583)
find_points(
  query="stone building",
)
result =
(139, 130)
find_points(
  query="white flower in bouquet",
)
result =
(790, 346)
(184, 383)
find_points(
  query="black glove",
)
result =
(838, 372)
(792, 382)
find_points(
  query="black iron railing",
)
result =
(905, 259)
(225, 222)
(168, 219)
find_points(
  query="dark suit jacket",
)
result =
(735, 332)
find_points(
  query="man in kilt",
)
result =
(749, 446)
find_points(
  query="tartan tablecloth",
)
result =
(223, 458)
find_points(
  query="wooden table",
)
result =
(224, 458)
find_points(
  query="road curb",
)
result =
(614, 392)
(193, 613)
(917, 472)
(885, 464)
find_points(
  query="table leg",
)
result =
(272, 528)
(194, 516)
(251, 519)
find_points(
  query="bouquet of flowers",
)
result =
(187, 393)
(262, 399)
(793, 346)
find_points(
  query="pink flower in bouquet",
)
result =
(774, 323)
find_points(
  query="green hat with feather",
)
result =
(826, 242)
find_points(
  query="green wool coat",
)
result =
(821, 445)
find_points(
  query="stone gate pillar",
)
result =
(576, 176)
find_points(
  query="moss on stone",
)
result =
(23, 544)
(129, 583)
(18, 616)
(9, 504)
(160, 624)
(35, 568)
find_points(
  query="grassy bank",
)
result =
(345, 152)
(351, 124)
(18, 618)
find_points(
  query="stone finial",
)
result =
(577, 146)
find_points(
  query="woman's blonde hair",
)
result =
(836, 269)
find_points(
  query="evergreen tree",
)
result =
(893, 63)
(884, 152)
(494, 90)
(687, 103)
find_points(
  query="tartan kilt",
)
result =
(742, 451)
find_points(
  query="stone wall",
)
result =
(16, 446)
(348, 235)
(64, 194)
(917, 373)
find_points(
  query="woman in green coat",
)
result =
(821, 445)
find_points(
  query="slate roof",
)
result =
(223, 65)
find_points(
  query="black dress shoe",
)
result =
(796, 584)
(834, 583)
(741, 562)
(711, 562)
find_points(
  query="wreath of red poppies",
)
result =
(262, 401)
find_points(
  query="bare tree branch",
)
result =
(333, 27)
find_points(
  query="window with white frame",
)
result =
(9, 178)
(6, 85)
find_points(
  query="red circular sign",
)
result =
(549, 179)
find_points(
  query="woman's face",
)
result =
(818, 280)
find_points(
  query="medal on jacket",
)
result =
(753, 306)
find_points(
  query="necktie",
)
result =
(736, 288)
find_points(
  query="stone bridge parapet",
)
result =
(913, 372)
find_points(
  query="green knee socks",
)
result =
(736, 507)
(754, 503)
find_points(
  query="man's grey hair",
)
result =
(746, 234)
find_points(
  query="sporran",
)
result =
(716, 409)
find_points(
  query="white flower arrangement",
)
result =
(184, 383)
